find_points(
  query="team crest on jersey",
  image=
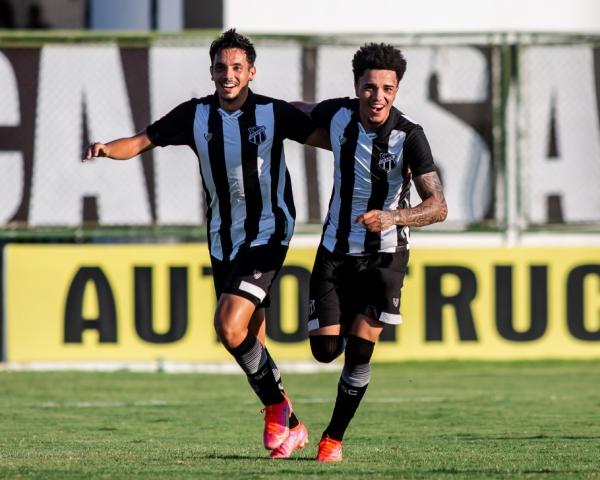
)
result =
(311, 307)
(342, 139)
(257, 134)
(208, 136)
(387, 161)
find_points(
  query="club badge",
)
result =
(257, 134)
(387, 161)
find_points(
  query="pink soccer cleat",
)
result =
(277, 417)
(330, 450)
(296, 440)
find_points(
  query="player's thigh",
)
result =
(329, 298)
(252, 272)
(383, 281)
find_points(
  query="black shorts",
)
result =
(343, 286)
(250, 274)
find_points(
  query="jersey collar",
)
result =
(248, 105)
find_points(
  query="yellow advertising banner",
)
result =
(151, 302)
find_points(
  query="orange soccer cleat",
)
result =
(277, 417)
(296, 440)
(330, 450)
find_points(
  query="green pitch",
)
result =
(418, 420)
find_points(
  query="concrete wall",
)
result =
(423, 16)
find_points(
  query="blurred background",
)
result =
(508, 93)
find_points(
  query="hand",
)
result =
(94, 149)
(377, 220)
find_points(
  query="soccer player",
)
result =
(238, 138)
(362, 258)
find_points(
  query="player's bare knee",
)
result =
(326, 348)
(230, 335)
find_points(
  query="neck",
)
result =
(235, 103)
(370, 126)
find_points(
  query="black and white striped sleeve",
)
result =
(295, 124)
(418, 152)
(325, 110)
(176, 127)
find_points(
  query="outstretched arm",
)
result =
(120, 149)
(304, 107)
(319, 138)
(432, 209)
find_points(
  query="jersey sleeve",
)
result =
(295, 124)
(418, 152)
(175, 128)
(325, 110)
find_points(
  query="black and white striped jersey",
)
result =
(371, 171)
(242, 164)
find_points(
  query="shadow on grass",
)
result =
(216, 456)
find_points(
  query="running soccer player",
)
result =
(362, 258)
(238, 138)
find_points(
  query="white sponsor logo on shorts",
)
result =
(257, 274)
(396, 301)
(311, 307)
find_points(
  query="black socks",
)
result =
(258, 366)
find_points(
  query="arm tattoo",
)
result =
(433, 209)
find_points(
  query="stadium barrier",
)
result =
(145, 302)
(513, 121)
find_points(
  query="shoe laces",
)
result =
(328, 445)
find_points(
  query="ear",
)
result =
(356, 88)
(210, 69)
(252, 72)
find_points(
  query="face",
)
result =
(376, 91)
(231, 73)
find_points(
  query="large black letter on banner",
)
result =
(538, 303)
(435, 301)
(178, 305)
(575, 302)
(106, 323)
(274, 329)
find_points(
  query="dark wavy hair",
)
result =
(378, 56)
(232, 39)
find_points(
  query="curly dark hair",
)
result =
(232, 39)
(378, 56)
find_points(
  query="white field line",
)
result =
(165, 366)
(163, 403)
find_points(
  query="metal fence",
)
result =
(513, 122)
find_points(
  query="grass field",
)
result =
(418, 420)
